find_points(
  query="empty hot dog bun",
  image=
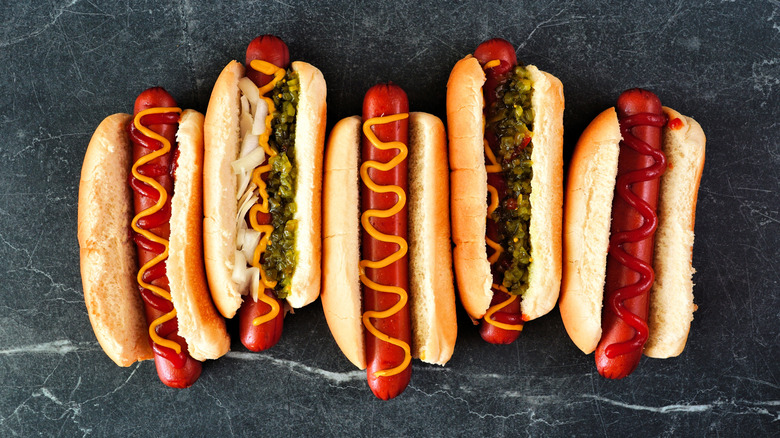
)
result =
(588, 210)
(108, 257)
(431, 296)
(223, 144)
(465, 104)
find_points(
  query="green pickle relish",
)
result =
(280, 256)
(511, 118)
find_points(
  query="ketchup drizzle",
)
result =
(646, 230)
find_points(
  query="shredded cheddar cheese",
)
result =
(403, 247)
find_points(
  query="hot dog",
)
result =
(264, 137)
(137, 177)
(636, 166)
(386, 280)
(394, 242)
(506, 138)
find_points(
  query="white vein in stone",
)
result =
(299, 367)
(60, 347)
(657, 409)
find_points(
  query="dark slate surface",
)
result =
(66, 65)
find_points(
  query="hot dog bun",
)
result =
(589, 195)
(199, 323)
(465, 104)
(432, 296)
(106, 249)
(671, 298)
(588, 212)
(222, 142)
(108, 261)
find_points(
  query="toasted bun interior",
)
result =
(671, 298)
(309, 145)
(589, 192)
(469, 190)
(432, 291)
(199, 323)
(107, 253)
(544, 272)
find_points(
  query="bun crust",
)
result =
(431, 290)
(465, 105)
(341, 293)
(221, 141)
(106, 250)
(199, 323)
(468, 179)
(589, 193)
(587, 227)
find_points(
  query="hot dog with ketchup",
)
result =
(393, 244)
(628, 233)
(141, 181)
(506, 138)
(264, 136)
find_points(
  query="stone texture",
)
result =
(65, 65)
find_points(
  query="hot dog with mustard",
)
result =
(386, 232)
(140, 219)
(264, 137)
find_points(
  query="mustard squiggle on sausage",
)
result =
(163, 197)
(403, 247)
(262, 207)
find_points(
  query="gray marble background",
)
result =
(64, 65)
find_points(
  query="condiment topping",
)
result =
(403, 296)
(262, 207)
(675, 124)
(280, 258)
(508, 116)
(646, 230)
(266, 187)
(143, 182)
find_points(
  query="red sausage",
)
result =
(258, 338)
(381, 100)
(175, 370)
(266, 335)
(269, 48)
(508, 315)
(629, 271)
(502, 50)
